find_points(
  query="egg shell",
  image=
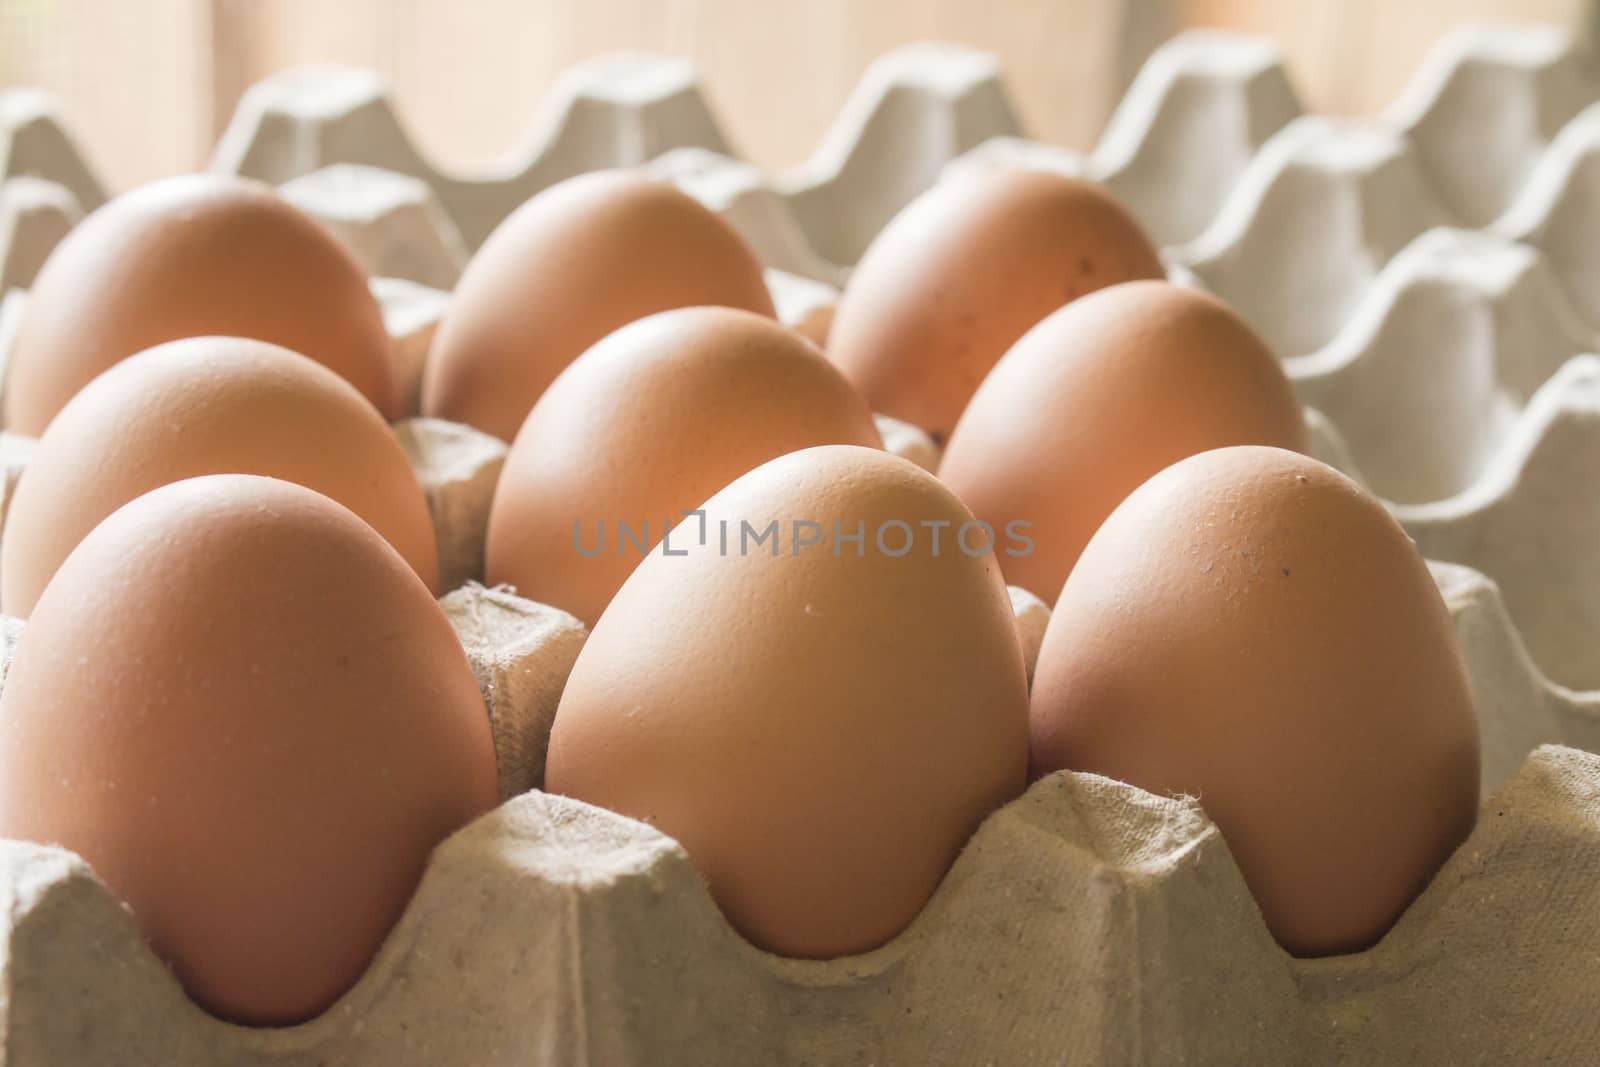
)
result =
(1253, 629)
(962, 272)
(645, 426)
(1100, 396)
(584, 257)
(184, 257)
(830, 730)
(260, 772)
(207, 405)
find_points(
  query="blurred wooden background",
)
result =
(149, 83)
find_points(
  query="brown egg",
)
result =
(206, 405)
(1252, 628)
(1097, 398)
(644, 426)
(821, 732)
(184, 257)
(242, 708)
(571, 265)
(962, 272)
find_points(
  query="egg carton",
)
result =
(1426, 277)
(1194, 141)
(1423, 274)
(1086, 922)
(1208, 147)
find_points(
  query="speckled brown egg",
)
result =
(1098, 397)
(1253, 629)
(962, 272)
(206, 405)
(245, 711)
(822, 731)
(644, 426)
(579, 260)
(185, 257)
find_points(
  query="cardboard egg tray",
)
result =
(1432, 281)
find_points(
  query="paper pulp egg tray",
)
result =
(1431, 279)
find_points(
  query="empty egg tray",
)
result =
(1432, 281)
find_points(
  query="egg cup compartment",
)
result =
(391, 222)
(1085, 922)
(45, 185)
(521, 653)
(34, 216)
(411, 314)
(457, 468)
(1533, 522)
(1457, 333)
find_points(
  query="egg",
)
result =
(645, 426)
(1095, 399)
(185, 257)
(1252, 628)
(820, 722)
(962, 272)
(244, 710)
(206, 405)
(579, 260)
